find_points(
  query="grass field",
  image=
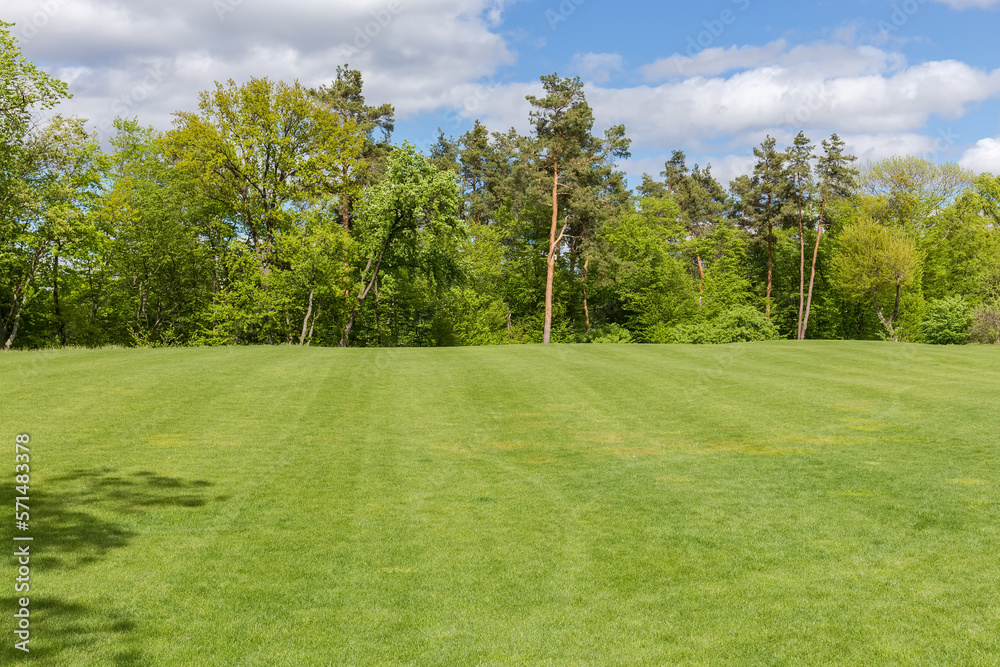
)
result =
(771, 503)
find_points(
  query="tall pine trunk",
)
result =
(551, 263)
(770, 265)
(812, 275)
(802, 273)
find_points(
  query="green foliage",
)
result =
(650, 282)
(913, 189)
(947, 321)
(163, 238)
(985, 266)
(571, 162)
(758, 208)
(874, 264)
(263, 150)
(477, 318)
(408, 229)
(51, 224)
(24, 89)
(38, 169)
(345, 99)
(280, 215)
(741, 324)
(609, 333)
(724, 254)
(985, 326)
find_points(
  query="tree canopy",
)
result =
(278, 214)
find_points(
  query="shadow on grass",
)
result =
(78, 519)
(61, 630)
(81, 516)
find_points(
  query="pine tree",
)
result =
(760, 200)
(799, 170)
(344, 97)
(837, 179)
(572, 157)
(701, 200)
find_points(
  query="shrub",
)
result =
(699, 334)
(947, 321)
(986, 324)
(609, 333)
(740, 324)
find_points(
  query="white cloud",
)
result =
(776, 97)
(827, 59)
(877, 103)
(877, 146)
(598, 67)
(150, 58)
(713, 61)
(968, 4)
(983, 157)
(727, 167)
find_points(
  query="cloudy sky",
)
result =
(712, 78)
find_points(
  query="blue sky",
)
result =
(710, 78)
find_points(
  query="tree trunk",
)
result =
(348, 327)
(812, 276)
(374, 264)
(55, 295)
(13, 321)
(345, 210)
(16, 311)
(551, 263)
(302, 338)
(586, 310)
(887, 323)
(770, 265)
(802, 273)
(312, 327)
(701, 280)
(378, 324)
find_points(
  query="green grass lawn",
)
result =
(771, 503)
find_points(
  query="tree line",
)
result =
(280, 214)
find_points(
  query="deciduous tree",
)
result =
(876, 263)
(409, 218)
(262, 149)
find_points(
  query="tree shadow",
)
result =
(77, 519)
(60, 629)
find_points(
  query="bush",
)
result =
(740, 324)
(947, 321)
(608, 333)
(986, 324)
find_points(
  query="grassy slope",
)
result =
(770, 503)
